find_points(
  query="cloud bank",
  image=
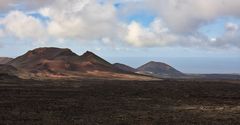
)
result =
(8, 5)
(177, 22)
(22, 26)
(188, 15)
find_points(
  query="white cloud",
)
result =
(155, 35)
(81, 19)
(6, 5)
(176, 24)
(1, 33)
(188, 15)
(230, 38)
(183, 18)
(231, 27)
(22, 26)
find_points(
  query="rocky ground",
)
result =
(95, 102)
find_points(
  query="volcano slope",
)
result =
(4, 60)
(58, 63)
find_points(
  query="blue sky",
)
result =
(130, 32)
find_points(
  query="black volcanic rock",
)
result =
(4, 60)
(159, 69)
(124, 67)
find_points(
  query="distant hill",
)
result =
(124, 67)
(4, 60)
(63, 63)
(159, 69)
(214, 76)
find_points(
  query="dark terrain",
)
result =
(4, 60)
(94, 102)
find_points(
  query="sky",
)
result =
(194, 36)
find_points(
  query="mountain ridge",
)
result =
(62, 63)
(53, 62)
